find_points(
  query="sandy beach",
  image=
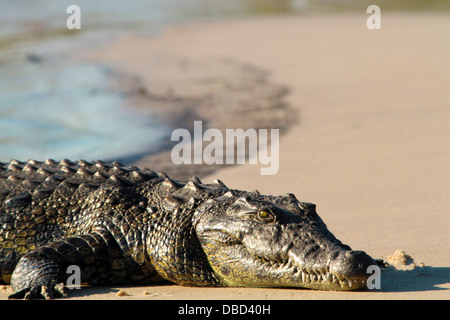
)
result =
(369, 145)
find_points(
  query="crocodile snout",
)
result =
(351, 267)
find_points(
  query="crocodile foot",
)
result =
(40, 292)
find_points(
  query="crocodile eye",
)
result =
(265, 215)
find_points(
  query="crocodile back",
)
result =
(40, 200)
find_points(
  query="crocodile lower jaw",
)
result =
(309, 277)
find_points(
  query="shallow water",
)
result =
(52, 106)
(64, 112)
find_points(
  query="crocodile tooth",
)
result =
(339, 277)
(294, 269)
(255, 192)
(307, 278)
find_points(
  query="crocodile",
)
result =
(124, 225)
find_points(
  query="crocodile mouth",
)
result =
(321, 278)
(237, 266)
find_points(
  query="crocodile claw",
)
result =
(40, 292)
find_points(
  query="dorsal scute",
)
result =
(42, 178)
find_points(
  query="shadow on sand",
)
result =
(418, 279)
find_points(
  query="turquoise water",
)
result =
(54, 107)
(65, 112)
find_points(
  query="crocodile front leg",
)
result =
(41, 273)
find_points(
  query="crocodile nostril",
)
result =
(351, 264)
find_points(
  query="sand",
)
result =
(370, 145)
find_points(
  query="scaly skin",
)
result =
(126, 225)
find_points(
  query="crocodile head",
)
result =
(266, 241)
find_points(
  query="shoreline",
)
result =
(369, 146)
(221, 93)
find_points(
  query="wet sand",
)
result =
(369, 144)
